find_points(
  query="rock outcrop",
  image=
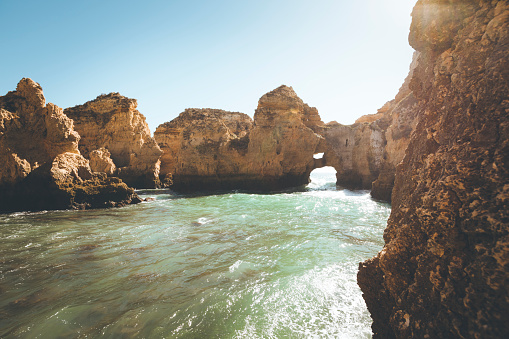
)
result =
(42, 167)
(214, 149)
(112, 122)
(355, 151)
(443, 272)
(400, 116)
(365, 154)
(203, 148)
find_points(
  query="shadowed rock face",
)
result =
(443, 270)
(42, 167)
(112, 122)
(214, 149)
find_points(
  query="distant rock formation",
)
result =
(42, 167)
(355, 151)
(203, 148)
(400, 115)
(113, 123)
(443, 272)
(215, 149)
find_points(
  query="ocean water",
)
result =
(231, 265)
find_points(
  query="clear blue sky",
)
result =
(347, 58)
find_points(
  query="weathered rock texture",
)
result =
(443, 272)
(112, 122)
(203, 148)
(214, 149)
(355, 151)
(400, 115)
(42, 167)
(365, 154)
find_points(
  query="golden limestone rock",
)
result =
(100, 161)
(355, 151)
(443, 272)
(112, 122)
(214, 149)
(203, 148)
(400, 115)
(41, 163)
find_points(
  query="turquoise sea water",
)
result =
(231, 265)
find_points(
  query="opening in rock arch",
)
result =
(322, 178)
(318, 156)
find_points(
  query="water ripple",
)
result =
(228, 265)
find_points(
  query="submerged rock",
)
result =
(443, 272)
(42, 167)
(111, 122)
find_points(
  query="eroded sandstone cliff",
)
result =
(203, 148)
(400, 115)
(42, 167)
(443, 272)
(214, 149)
(113, 123)
(355, 151)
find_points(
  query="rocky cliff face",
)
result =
(203, 148)
(42, 167)
(443, 270)
(400, 115)
(355, 151)
(366, 153)
(214, 149)
(112, 122)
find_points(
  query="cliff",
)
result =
(111, 122)
(42, 167)
(214, 149)
(443, 270)
(355, 151)
(202, 148)
(400, 115)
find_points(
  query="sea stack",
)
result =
(443, 272)
(111, 127)
(208, 149)
(42, 167)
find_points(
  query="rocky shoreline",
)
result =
(42, 167)
(439, 151)
(200, 150)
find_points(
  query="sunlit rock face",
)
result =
(112, 122)
(42, 167)
(215, 149)
(202, 148)
(366, 153)
(355, 151)
(443, 270)
(400, 115)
